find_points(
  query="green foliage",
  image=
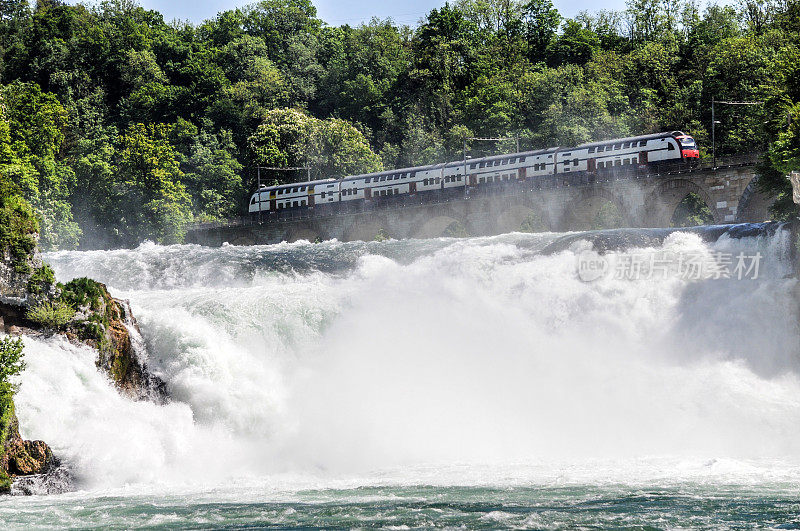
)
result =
(90, 297)
(31, 138)
(41, 278)
(84, 292)
(51, 315)
(692, 210)
(18, 226)
(153, 199)
(11, 359)
(119, 127)
(11, 364)
(289, 137)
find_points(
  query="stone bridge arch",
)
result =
(665, 197)
(438, 226)
(754, 204)
(581, 212)
(369, 227)
(310, 233)
(523, 217)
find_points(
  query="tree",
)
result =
(155, 205)
(35, 132)
(289, 137)
(541, 20)
(11, 359)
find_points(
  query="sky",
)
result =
(350, 12)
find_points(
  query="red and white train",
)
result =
(593, 157)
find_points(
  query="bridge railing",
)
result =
(404, 201)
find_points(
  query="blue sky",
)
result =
(348, 11)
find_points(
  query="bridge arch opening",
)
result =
(522, 218)
(691, 211)
(754, 205)
(369, 228)
(441, 226)
(307, 234)
(595, 210)
(680, 201)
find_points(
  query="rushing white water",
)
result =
(451, 361)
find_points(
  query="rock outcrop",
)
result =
(19, 457)
(108, 325)
(31, 302)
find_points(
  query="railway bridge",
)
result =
(640, 197)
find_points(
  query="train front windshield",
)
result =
(687, 142)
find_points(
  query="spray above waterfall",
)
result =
(350, 357)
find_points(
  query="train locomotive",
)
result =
(592, 157)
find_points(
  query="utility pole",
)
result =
(714, 123)
(276, 168)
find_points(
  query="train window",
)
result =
(424, 182)
(618, 163)
(670, 147)
(591, 150)
(369, 180)
(497, 163)
(617, 146)
(626, 145)
(505, 162)
(482, 180)
(522, 159)
(634, 160)
(626, 161)
(383, 178)
(322, 195)
(574, 162)
(253, 201)
(642, 143)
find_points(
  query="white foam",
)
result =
(472, 360)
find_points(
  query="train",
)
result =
(620, 152)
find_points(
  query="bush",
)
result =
(43, 276)
(84, 291)
(51, 315)
(11, 362)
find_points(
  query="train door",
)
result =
(522, 174)
(412, 187)
(273, 202)
(591, 165)
(367, 193)
(311, 197)
(643, 157)
(473, 180)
